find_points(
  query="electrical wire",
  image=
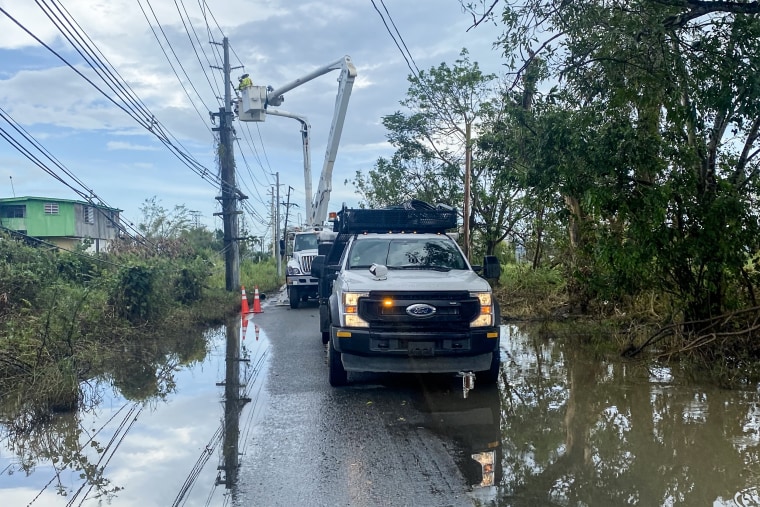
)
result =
(216, 85)
(87, 193)
(406, 55)
(169, 61)
(152, 125)
(128, 100)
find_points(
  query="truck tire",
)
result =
(491, 375)
(338, 375)
(325, 337)
(294, 297)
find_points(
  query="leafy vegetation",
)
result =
(72, 317)
(620, 152)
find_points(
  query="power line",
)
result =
(88, 194)
(168, 60)
(192, 44)
(406, 56)
(148, 120)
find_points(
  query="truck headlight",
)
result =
(485, 317)
(292, 270)
(350, 309)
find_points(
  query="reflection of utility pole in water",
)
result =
(233, 403)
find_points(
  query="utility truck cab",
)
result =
(398, 295)
(301, 284)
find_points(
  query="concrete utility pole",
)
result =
(229, 193)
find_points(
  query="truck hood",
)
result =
(415, 280)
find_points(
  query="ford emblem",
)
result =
(420, 310)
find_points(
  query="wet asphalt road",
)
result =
(384, 440)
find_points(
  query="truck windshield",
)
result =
(304, 242)
(406, 253)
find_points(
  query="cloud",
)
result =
(276, 42)
(121, 145)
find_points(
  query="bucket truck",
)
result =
(253, 105)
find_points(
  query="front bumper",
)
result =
(440, 352)
(302, 280)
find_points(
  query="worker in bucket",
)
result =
(245, 82)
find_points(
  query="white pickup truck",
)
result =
(398, 295)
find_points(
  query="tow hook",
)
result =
(468, 382)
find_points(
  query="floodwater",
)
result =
(569, 429)
(578, 430)
(170, 448)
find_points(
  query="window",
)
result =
(51, 208)
(14, 211)
(89, 215)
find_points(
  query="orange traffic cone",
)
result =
(256, 301)
(244, 307)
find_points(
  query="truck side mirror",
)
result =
(318, 266)
(491, 267)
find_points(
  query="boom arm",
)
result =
(322, 197)
(305, 128)
(253, 107)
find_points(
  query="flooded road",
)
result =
(160, 446)
(253, 421)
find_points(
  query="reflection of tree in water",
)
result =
(38, 434)
(584, 432)
(144, 370)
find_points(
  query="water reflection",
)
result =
(581, 430)
(150, 429)
(234, 400)
(471, 421)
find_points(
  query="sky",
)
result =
(101, 149)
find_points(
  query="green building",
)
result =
(62, 222)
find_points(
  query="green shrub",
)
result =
(526, 293)
(261, 274)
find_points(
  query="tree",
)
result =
(654, 142)
(159, 223)
(431, 142)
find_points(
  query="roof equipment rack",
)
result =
(412, 216)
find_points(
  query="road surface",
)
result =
(384, 440)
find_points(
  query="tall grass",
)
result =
(261, 274)
(252, 274)
(525, 293)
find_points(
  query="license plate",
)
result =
(421, 348)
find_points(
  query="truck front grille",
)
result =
(387, 310)
(306, 263)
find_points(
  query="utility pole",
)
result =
(229, 193)
(277, 227)
(467, 185)
(275, 237)
(285, 229)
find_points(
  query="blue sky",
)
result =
(276, 41)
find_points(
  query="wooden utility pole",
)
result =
(229, 193)
(277, 227)
(285, 228)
